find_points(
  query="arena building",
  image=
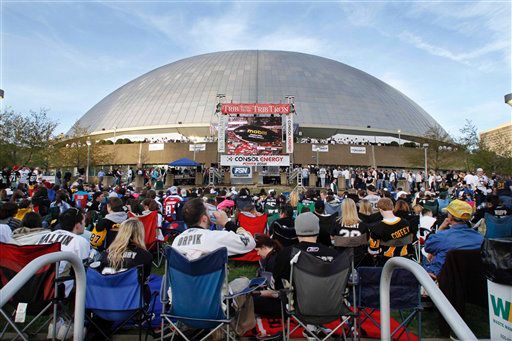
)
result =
(330, 97)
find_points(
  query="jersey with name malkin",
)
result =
(385, 231)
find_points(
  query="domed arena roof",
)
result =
(330, 97)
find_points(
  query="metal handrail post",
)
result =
(17, 282)
(449, 313)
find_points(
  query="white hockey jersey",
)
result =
(195, 242)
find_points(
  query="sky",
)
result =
(452, 58)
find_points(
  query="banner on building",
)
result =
(358, 150)
(254, 108)
(199, 147)
(155, 146)
(239, 172)
(289, 129)
(322, 148)
(221, 142)
(255, 160)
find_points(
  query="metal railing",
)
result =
(449, 313)
(17, 282)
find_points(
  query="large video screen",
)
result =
(255, 135)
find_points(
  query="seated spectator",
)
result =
(150, 205)
(283, 229)
(40, 201)
(198, 239)
(307, 228)
(71, 227)
(349, 225)
(267, 303)
(453, 234)
(366, 212)
(24, 207)
(392, 236)
(443, 200)
(32, 220)
(7, 213)
(61, 201)
(493, 206)
(106, 229)
(127, 250)
(403, 210)
(6, 234)
(326, 222)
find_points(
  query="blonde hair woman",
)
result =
(294, 199)
(127, 250)
(349, 225)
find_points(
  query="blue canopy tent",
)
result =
(184, 162)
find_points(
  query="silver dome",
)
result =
(330, 97)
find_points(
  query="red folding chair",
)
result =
(39, 293)
(153, 244)
(254, 225)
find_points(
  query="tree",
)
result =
(25, 138)
(72, 152)
(468, 141)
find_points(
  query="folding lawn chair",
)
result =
(353, 243)
(197, 301)
(117, 298)
(405, 295)
(498, 227)
(153, 244)
(40, 293)
(316, 294)
(253, 225)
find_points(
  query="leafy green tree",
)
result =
(25, 138)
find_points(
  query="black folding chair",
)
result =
(316, 292)
(405, 295)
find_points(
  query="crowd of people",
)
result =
(98, 221)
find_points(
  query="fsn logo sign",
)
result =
(241, 171)
(501, 308)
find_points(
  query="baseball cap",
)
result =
(479, 170)
(459, 209)
(307, 224)
(173, 190)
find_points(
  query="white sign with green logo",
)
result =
(500, 311)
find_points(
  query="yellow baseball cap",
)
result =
(459, 209)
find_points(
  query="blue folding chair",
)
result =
(196, 288)
(498, 227)
(405, 295)
(117, 298)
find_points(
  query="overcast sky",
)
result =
(452, 58)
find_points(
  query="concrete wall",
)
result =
(382, 156)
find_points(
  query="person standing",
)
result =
(322, 174)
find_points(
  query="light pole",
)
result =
(425, 146)
(115, 134)
(399, 139)
(88, 159)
